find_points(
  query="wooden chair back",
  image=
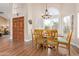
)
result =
(47, 32)
(69, 36)
(38, 31)
(38, 35)
(55, 36)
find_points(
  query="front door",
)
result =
(18, 29)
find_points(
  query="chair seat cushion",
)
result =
(62, 40)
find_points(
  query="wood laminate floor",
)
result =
(10, 48)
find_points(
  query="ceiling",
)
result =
(7, 7)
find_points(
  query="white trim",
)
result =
(27, 40)
(10, 37)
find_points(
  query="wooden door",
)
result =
(18, 29)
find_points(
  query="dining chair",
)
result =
(46, 37)
(37, 37)
(40, 38)
(52, 38)
(66, 41)
(54, 41)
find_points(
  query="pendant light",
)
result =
(46, 15)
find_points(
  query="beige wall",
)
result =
(3, 21)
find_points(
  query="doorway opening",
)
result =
(4, 27)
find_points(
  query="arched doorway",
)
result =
(4, 27)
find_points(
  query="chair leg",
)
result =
(47, 47)
(69, 50)
(57, 49)
(33, 43)
(36, 44)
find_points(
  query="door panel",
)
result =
(18, 29)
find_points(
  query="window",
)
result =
(78, 25)
(66, 24)
(53, 11)
(52, 23)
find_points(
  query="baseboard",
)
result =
(27, 40)
(75, 45)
